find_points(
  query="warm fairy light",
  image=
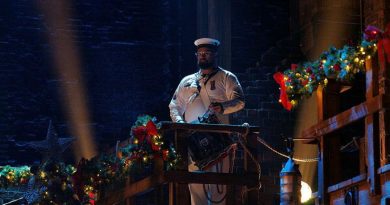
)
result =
(135, 141)
(375, 44)
(364, 53)
(356, 59)
(368, 56)
(285, 78)
(323, 61)
(145, 159)
(347, 67)
(326, 81)
(306, 192)
(280, 100)
(361, 49)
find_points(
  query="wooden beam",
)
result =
(347, 117)
(211, 178)
(132, 190)
(167, 125)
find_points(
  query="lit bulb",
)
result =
(306, 192)
(356, 59)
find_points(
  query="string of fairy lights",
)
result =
(302, 79)
(57, 183)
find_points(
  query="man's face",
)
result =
(206, 58)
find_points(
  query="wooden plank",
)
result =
(167, 125)
(181, 146)
(347, 183)
(347, 117)
(132, 190)
(211, 178)
(383, 169)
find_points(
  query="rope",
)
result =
(245, 190)
(281, 154)
(231, 159)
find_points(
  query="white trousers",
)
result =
(196, 190)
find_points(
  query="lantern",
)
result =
(290, 184)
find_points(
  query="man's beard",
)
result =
(204, 64)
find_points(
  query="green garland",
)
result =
(341, 64)
(56, 183)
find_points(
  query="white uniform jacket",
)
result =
(195, 93)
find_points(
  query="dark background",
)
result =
(133, 55)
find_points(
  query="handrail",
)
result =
(162, 177)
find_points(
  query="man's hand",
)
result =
(217, 107)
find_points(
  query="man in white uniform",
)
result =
(211, 88)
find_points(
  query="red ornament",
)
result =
(92, 198)
(164, 154)
(337, 67)
(294, 67)
(312, 76)
(305, 82)
(308, 70)
(372, 33)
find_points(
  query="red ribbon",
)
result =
(372, 33)
(142, 132)
(283, 95)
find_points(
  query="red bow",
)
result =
(141, 132)
(372, 33)
(283, 95)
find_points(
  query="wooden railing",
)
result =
(179, 179)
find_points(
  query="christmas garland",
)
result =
(342, 64)
(56, 183)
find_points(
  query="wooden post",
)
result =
(159, 189)
(328, 106)
(372, 126)
(250, 166)
(181, 145)
(131, 200)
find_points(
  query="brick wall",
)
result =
(131, 59)
(260, 43)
